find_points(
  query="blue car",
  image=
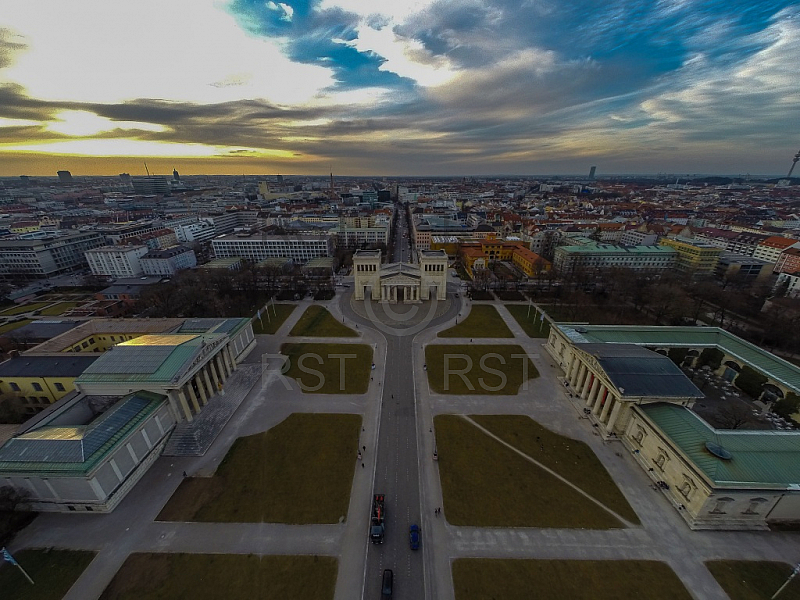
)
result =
(413, 537)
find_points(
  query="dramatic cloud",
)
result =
(427, 87)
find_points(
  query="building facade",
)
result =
(167, 262)
(47, 256)
(693, 256)
(567, 259)
(257, 247)
(116, 261)
(76, 460)
(400, 282)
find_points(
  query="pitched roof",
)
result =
(637, 371)
(68, 448)
(65, 365)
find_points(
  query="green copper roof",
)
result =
(688, 337)
(54, 450)
(758, 458)
(147, 359)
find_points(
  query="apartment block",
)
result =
(116, 261)
(257, 247)
(46, 256)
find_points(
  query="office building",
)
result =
(257, 246)
(116, 261)
(47, 256)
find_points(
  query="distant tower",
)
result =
(175, 176)
(591, 172)
(794, 162)
(331, 186)
(64, 177)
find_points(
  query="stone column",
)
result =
(599, 404)
(222, 366)
(593, 393)
(204, 371)
(229, 356)
(574, 375)
(201, 389)
(606, 408)
(195, 405)
(578, 374)
(192, 395)
(614, 414)
(587, 385)
(217, 384)
(186, 411)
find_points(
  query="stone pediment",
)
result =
(400, 279)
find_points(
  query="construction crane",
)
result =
(794, 162)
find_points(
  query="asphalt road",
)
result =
(397, 473)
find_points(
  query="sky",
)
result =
(399, 87)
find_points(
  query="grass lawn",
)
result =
(754, 580)
(298, 472)
(53, 573)
(482, 579)
(531, 324)
(483, 321)
(572, 459)
(18, 310)
(229, 576)
(318, 322)
(485, 484)
(12, 326)
(483, 379)
(59, 309)
(272, 322)
(324, 377)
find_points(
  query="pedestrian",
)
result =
(364, 448)
(184, 473)
(362, 465)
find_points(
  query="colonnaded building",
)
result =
(716, 478)
(400, 282)
(89, 448)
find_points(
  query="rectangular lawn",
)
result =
(571, 459)
(754, 580)
(478, 369)
(272, 318)
(298, 472)
(58, 309)
(226, 576)
(319, 371)
(482, 579)
(53, 573)
(318, 322)
(486, 484)
(23, 308)
(528, 318)
(483, 321)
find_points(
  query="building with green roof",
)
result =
(717, 479)
(85, 453)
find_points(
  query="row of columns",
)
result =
(389, 293)
(604, 404)
(207, 381)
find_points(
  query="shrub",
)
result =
(750, 381)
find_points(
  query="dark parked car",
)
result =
(386, 585)
(413, 537)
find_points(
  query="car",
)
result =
(387, 583)
(413, 536)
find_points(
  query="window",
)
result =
(37, 386)
(14, 386)
(686, 488)
(44, 399)
(59, 386)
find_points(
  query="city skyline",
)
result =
(408, 88)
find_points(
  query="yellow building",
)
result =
(529, 262)
(694, 256)
(38, 381)
(474, 258)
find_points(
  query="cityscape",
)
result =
(411, 300)
(339, 387)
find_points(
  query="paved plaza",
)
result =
(398, 411)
